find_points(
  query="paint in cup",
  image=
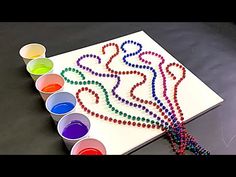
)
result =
(59, 104)
(48, 84)
(32, 51)
(39, 67)
(88, 146)
(72, 128)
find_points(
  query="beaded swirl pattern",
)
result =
(169, 118)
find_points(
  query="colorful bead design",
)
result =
(169, 123)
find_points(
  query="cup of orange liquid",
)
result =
(32, 51)
(48, 84)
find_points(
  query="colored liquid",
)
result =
(75, 129)
(35, 56)
(41, 70)
(51, 88)
(62, 108)
(90, 151)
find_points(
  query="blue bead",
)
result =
(156, 98)
(140, 66)
(172, 116)
(132, 65)
(158, 101)
(163, 107)
(147, 67)
(144, 67)
(161, 104)
(169, 113)
(129, 64)
(134, 42)
(136, 66)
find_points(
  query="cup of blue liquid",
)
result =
(59, 104)
(72, 128)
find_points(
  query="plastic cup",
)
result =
(39, 67)
(88, 146)
(60, 98)
(47, 81)
(32, 51)
(69, 119)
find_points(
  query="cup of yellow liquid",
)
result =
(39, 67)
(32, 51)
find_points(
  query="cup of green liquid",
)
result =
(32, 51)
(39, 66)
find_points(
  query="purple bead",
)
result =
(127, 102)
(150, 113)
(83, 67)
(143, 107)
(139, 106)
(119, 98)
(135, 105)
(131, 104)
(104, 75)
(108, 75)
(123, 100)
(91, 55)
(92, 72)
(154, 115)
(99, 74)
(146, 110)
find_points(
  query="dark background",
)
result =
(207, 49)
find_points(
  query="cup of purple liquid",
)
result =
(59, 104)
(72, 128)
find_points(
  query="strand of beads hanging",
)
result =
(151, 125)
(123, 72)
(182, 147)
(183, 133)
(165, 96)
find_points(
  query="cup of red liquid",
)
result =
(73, 127)
(59, 104)
(48, 84)
(88, 146)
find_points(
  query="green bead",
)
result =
(69, 68)
(143, 119)
(129, 116)
(116, 111)
(125, 114)
(72, 82)
(76, 70)
(96, 82)
(84, 82)
(66, 69)
(80, 83)
(68, 80)
(120, 113)
(73, 69)
(92, 82)
(88, 82)
(76, 82)
(133, 118)
(138, 118)
(147, 120)
(112, 108)
(152, 121)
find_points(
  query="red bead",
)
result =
(138, 124)
(134, 123)
(124, 122)
(129, 122)
(119, 121)
(97, 115)
(110, 119)
(148, 125)
(143, 125)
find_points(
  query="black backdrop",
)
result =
(206, 49)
